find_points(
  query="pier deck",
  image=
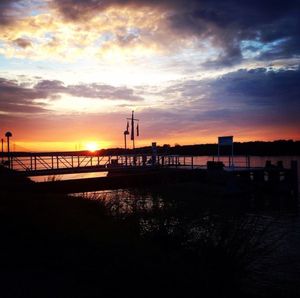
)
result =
(58, 163)
(143, 170)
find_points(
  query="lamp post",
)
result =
(8, 135)
(126, 132)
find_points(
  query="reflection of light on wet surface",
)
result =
(68, 176)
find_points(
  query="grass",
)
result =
(125, 244)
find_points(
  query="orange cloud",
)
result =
(126, 32)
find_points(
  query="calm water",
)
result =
(68, 176)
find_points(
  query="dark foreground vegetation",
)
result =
(158, 243)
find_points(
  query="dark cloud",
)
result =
(260, 87)
(22, 42)
(16, 98)
(230, 22)
(94, 90)
(241, 99)
(225, 22)
(50, 86)
(8, 11)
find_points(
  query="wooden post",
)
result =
(192, 162)
(248, 161)
(232, 164)
(294, 178)
(258, 176)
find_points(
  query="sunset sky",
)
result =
(71, 71)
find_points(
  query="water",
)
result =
(68, 176)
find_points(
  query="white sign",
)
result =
(225, 141)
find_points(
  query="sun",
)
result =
(92, 146)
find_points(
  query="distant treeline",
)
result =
(279, 147)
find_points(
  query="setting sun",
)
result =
(92, 146)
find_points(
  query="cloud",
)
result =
(244, 100)
(15, 98)
(225, 23)
(22, 42)
(241, 100)
(7, 11)
(250, 104)
(13, 10)
(95, 90)
(261, 86)
(22, 98)
(123, 32)
(224, 32)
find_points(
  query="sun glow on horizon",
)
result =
(92, 146)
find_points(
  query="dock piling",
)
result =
(294, 178)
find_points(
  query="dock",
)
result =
(129, 171)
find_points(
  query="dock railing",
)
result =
(37, 162)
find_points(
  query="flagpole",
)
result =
(132, 132)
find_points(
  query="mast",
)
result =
(132, 131)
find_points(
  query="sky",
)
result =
(72, 71)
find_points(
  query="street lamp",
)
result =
(126, 132)
(8, 135)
